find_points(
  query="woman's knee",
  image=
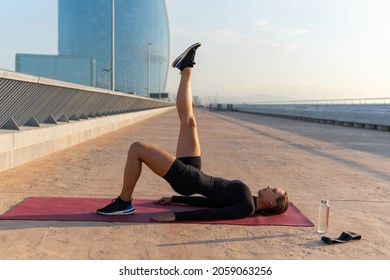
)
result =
(135, 147)
(189, 122)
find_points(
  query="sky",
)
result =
(252, 50)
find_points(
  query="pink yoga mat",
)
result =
(83, 209)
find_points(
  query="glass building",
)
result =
(79, 70)
(141, 44)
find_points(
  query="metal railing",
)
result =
(368, 115)
(31, 101)
(379, 100)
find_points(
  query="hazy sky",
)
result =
(251, 49)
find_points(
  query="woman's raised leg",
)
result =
(188, 144)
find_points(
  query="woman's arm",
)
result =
(236, 211)
(200, 201)
(224, 213)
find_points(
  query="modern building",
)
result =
(79, 70)
(85, 39)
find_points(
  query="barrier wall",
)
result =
(40, 116)
(31, 101)
(18, 147)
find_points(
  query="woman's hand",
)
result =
(163, 201)
(166, 217)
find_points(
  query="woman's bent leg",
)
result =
(159, 161)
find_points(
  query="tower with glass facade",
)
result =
(141, 44)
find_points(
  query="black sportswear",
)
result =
(224, 199)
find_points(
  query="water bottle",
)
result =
(323, 216)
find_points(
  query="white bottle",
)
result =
(323, 216)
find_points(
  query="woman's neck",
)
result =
(258, 203)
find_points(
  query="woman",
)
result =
(223, 199)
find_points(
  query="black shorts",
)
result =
(185, 176)
(193, 161)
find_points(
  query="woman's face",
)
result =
(269, 195)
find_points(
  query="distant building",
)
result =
(84, 42)
(79, 70)
(196, 100)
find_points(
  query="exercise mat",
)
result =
(83, 209)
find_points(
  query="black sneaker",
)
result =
(186, 59)
(117, 207)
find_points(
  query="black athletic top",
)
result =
(224, 199)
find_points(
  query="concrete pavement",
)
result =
(349, 166)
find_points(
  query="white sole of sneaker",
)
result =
(118, 213)
(180, 57)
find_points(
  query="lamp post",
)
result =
(135, 83)
(159, 81)
(125, 78)
(113, 45)
(149, 44)
(108, 77)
